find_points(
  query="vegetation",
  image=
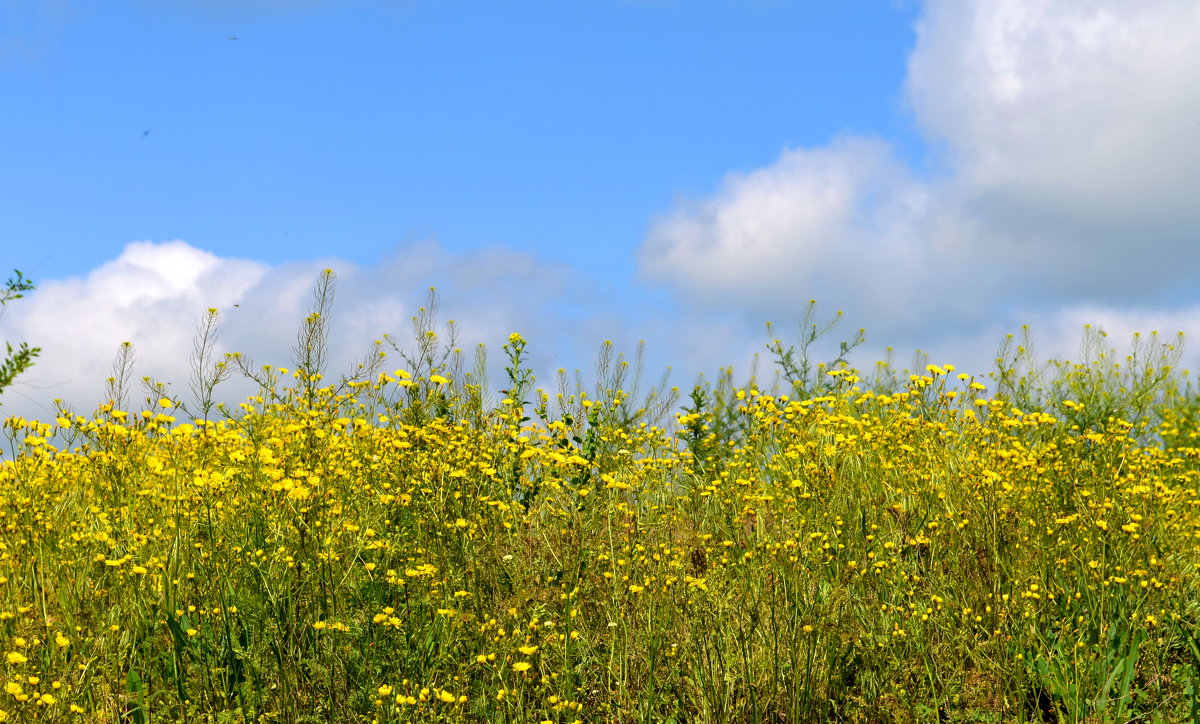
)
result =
(391, 546)
(20, 359)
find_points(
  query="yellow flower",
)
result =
(447, 697)
(528, 650)
(15, 657)
(522, 666)
(61, 640)
(438, 379)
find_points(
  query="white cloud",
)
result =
(1066, 152)
(1072, 133)
(1061, 338)
(154, 294)
(151, 295)
(774, 235)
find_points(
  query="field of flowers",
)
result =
(390, 547)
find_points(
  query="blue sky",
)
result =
(554, 128)
(674, 171)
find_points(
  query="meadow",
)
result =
(402, 544)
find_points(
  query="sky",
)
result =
(675, 171)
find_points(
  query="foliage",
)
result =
(1141, 386)
(387, 547)
(16, 361)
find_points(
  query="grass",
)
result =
(394, 547)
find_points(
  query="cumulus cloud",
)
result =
(1064, 147)
(150, 295)
(154, 294)
(804, 227)
(1071, 132)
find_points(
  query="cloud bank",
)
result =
(154, 295)
(1064, 154)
